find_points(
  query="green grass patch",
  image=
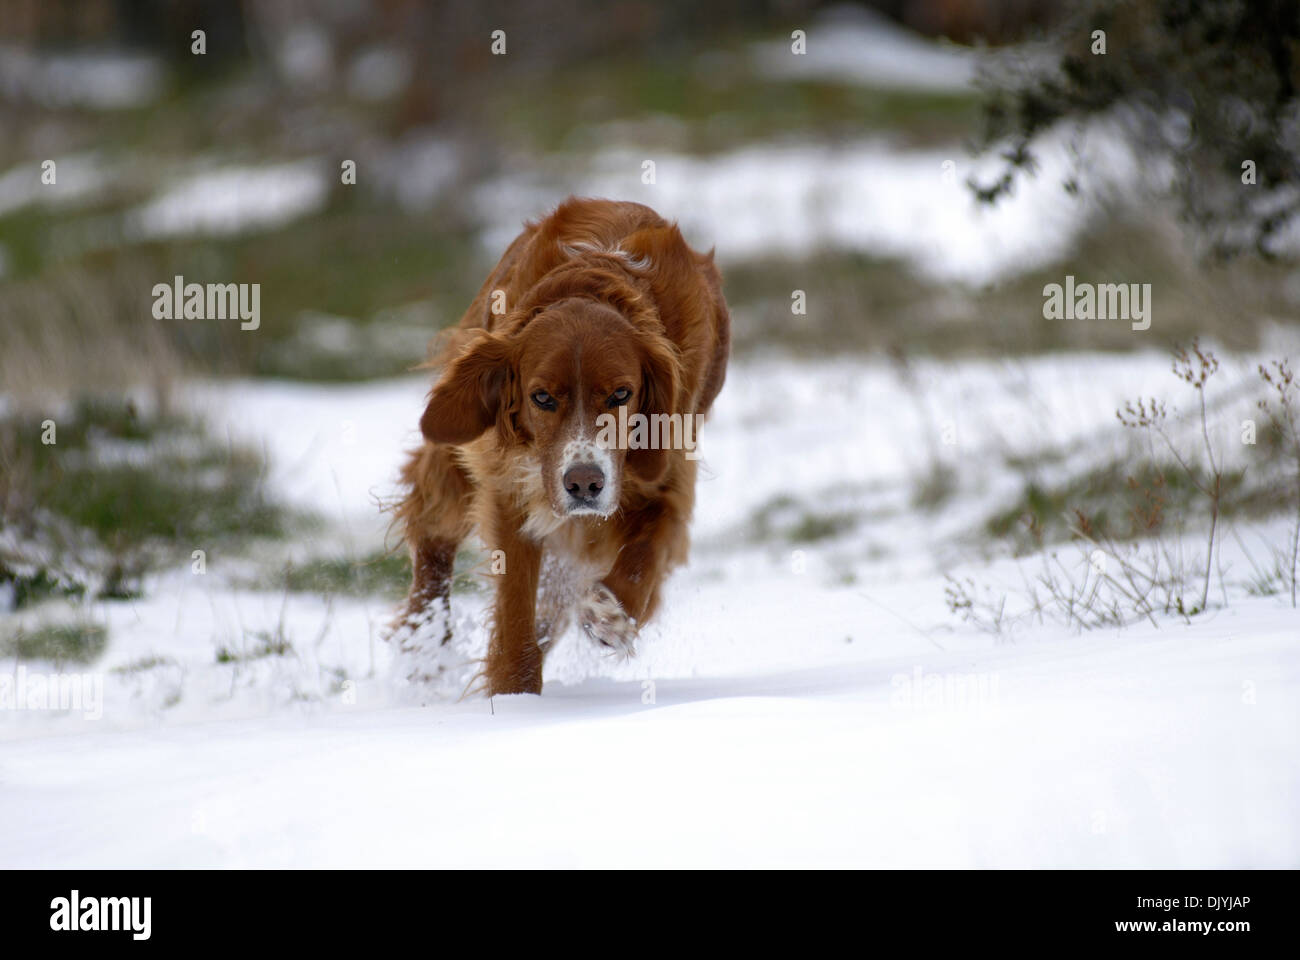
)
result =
(1124, 501)
(118, 492)
(386, 278)
(865, 304)
(265, 644)
(380, 574)
(143, 665)
(35, 585)
(718, 103)
(785, 519)
(385, 575)
(131, 480)
(58, 643)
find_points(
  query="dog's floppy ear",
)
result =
(660, 379)
(472, 393)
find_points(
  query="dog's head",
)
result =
(554, 389)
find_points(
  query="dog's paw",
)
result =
(422, 625)
(423, 655)
(604, 620)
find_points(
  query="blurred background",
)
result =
(919, 171)
(226, 165)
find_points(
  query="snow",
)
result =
(1135, 751)
(232, 199)
(94, 79)
(77, 179)
(379, 73)
(778, 713)
(793, 199)
(851, 45)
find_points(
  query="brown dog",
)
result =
(597, 307)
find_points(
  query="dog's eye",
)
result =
(619, 397)
(544, 400)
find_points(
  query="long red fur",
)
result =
(595, 254)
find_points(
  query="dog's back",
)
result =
(686, 285)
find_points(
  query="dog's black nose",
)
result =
(584, 482)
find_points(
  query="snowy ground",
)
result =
(794, 705)
(1134, 751)
(796, 198)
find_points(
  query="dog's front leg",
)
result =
(514, 660)
(615, 607)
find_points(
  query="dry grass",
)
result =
(80, 330)
(1114, 573)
